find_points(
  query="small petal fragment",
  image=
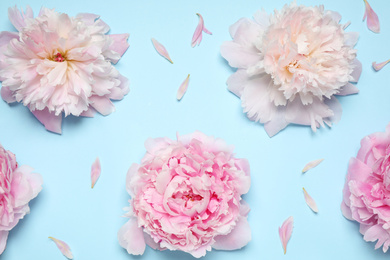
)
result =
(310, 201)
(197, 37)
(311, 165)
(379, 66)
(285, 232)
(372, 18)
(183, 88)
(95, 172)
(63, 247)
(161, 50)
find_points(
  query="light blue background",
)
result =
(88, 220)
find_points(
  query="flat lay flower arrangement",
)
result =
(194, 130)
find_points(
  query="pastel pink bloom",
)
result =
(290, 65)
(18, 185)
(367, 189)
(186, 195)
(56, 64)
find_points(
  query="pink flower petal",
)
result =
(311, 165)
(236, 239)
(285, 232)
(63, 247)
(18, 18)
(95, 172)
(131, 237)
(3, 240)
(310, 201)
(161, 50)
(197, 37)
(7, 95)
(49, 120)
(379, 66)
(372, 18)
(183, 88)
(102, 104)
(120, 44)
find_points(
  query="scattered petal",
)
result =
(183, 88)
(161, 50)
(197, 37)
(285, 232)
(372, 18)
(310, 202)
(95, 172)
(63, 247)
(311, 165)
(379, 66)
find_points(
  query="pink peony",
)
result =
(58, 64)
(290, 65)
(367, 189)
(186, 195)
(17, 187)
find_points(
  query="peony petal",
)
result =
(372, 18)
(379, 66)
(102, 104)
(183, 88)
(120, 44)
(161, 50)
(3, 240)
(131, 237)
(7, 95)
(49, 120)
(348, 90)
(236, 239)
(95, 172)
(197, 36)
(285, 232)
(63, 247)
(310, 201)
(17, 17)
(311, 165)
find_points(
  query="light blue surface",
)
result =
(88, 220)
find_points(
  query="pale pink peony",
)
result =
(186, 195)
(18, 185)
(290, 65)
(367, 189)
(58, 64)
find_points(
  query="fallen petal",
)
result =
(183, 88)
(311, 165)
(63, 247)
(285, 232)
(95, 172)
(310, 202)
(197, 37)
(379, 66)
(161, 50)
(372, 18)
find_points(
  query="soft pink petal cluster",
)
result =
(56, 64)
(290, 65)
(367, 189)
(18, 185)
(186, 195)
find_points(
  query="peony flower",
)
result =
(17, 187)
(58, 64)
(290, 65)
(186, 195)
(367, 189)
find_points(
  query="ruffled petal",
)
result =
(120, 44)
(236, 239)
(49, 120)
(131, 237)
(18, 17)
(348, 90)
(7, 95)
(25, 185)
(3, 240)
(102, 104)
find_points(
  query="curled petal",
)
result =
(310, 201)
(63, 247)
(95, 172)
(49, 120)
(183, 88)
(379, 66)
(372, 18)
(311, 165)
(161, 50)
(285, 232)
(197, 37)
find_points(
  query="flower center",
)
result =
(59, 57)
